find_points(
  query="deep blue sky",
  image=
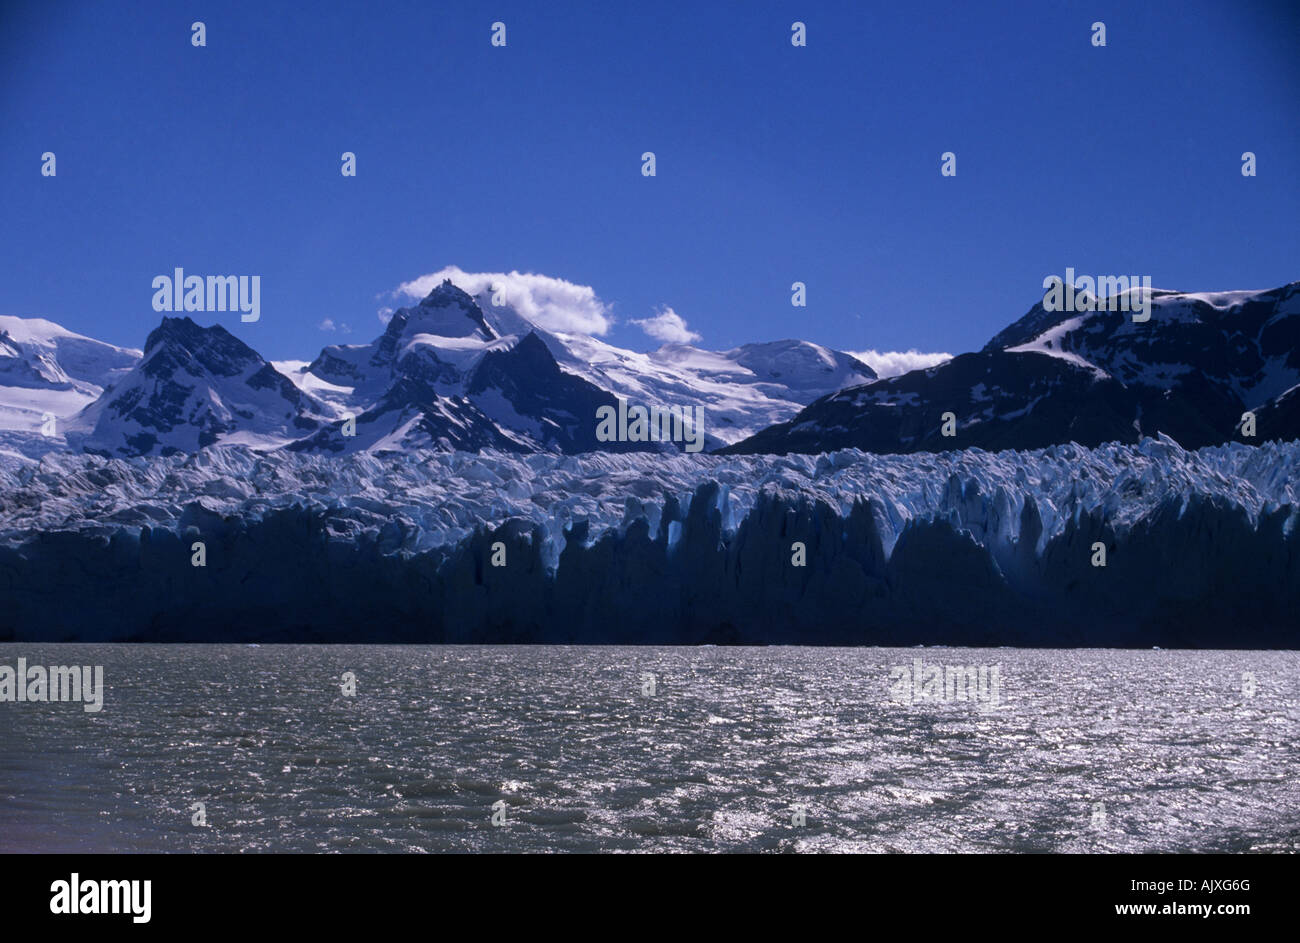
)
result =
(775, 164)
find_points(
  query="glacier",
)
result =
(962, 547)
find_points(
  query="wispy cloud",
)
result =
(551, 303)
(667, 326)
(329, 325)
(892, 363)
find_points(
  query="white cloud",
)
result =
(667, 326)
(551, 303)
(326, 325)
(892, 363)
(385, 314)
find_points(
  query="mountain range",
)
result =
(458, 372)
(443, 483)
(1190, 372)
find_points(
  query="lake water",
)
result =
(654, 749)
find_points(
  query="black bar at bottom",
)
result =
(332, 893)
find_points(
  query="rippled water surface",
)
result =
(1078, 751)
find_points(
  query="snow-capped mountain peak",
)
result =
(194, 387)
(446, 311)
(453, 341)
(1244, 342)
(49, 371)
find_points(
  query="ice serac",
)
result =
(194, 387)
(965, 547)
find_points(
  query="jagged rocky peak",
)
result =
(180, 330)
(447, 311)
(446, 293)
(196, 386)
(182, 342)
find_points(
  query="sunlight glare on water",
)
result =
(1091, 750)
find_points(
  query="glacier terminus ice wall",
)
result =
(1199, 548)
